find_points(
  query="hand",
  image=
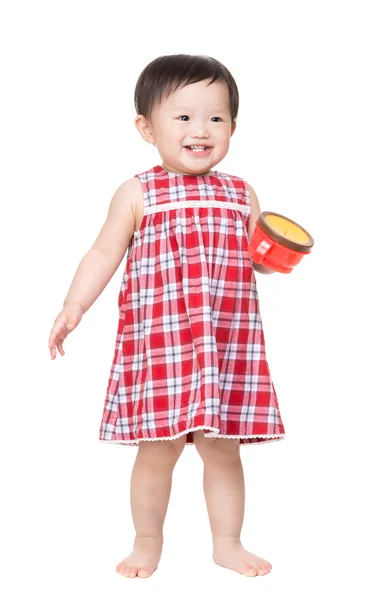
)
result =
(67, 321)
(260, 268)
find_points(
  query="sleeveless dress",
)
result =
(190, 349)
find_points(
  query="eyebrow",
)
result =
(222, 110)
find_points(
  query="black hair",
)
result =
(166, 74)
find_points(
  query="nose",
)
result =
(199, 130)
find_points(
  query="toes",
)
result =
(126, 571)
(132, 572)
(143, 573)
(263, 569)
(250, 572)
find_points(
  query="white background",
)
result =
(312, 139)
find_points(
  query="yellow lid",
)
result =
(287, 229)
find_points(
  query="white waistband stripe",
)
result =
(193, 203)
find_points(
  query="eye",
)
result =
(220, 119)
(183, 116)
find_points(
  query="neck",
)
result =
(181, 173)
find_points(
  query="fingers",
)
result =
(61, 328)
(58, 343)
(57, 336)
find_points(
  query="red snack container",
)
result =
(278, 242)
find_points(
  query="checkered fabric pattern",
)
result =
(190, 349)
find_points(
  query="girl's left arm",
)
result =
(254, 216)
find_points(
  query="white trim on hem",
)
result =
(271, 437)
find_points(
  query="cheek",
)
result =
(224, 141)
(176, 130)
(171, 135)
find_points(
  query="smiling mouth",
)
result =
(198, 148)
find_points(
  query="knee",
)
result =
(216, 450)
(162, 453)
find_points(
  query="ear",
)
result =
(144, 128)
(233, 127)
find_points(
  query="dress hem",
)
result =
(270, 437)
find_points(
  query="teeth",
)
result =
(198, 147)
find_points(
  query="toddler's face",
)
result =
(197, 114)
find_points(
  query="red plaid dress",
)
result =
(190, 348)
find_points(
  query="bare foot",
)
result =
(229, 553)
(144, 558)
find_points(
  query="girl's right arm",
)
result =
(102, 260)
(99, 263)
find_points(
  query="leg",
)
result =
(151, 483)
(225, 499)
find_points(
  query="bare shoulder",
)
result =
(128, 194)
(120, 222)
(253, 195)
(255, 210)
(254, 216)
